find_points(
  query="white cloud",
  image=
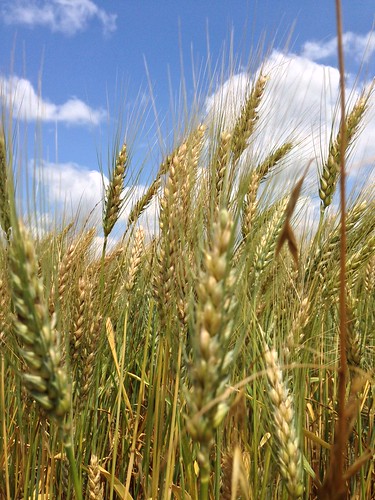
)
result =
(75, 191)
(300, 103)
(64, 16)
(360, 47)
(26, 104)
(70, 184)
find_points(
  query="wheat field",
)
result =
(199, 360)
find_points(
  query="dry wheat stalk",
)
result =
(330, 171)
(44, 380)
(113, 201)
(286, 440)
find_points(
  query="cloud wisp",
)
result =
(19, 95)
(359, 47)
(60, 16)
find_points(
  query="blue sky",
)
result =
(74, 68)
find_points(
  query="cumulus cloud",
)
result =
(70, 184)
(63, 16)
(78, 192)
(360, 47)
(300, 103)
(26, 104)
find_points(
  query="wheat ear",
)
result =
(69, 260)
(212, 357)
(265, 250)
(370, 276)
(220, 168)
(287, 445)
(330, 171)
(250, 204)
(94, 484)
(264, 168)
(187, 176)
(353, 347)
(140, 205)
(113, 201)
(44, 379)
(245, 124)
(89, 354)
(135, 258)
(77, 335)
(164, 279)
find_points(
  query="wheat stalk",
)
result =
(4, 193)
